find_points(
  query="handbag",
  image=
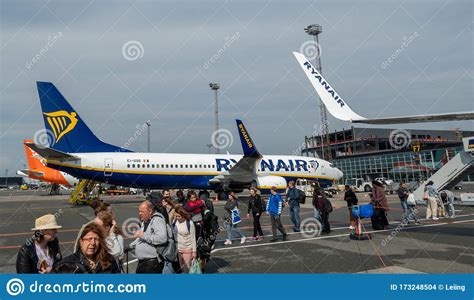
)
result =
(411, 200)
(195, 267)
(235, 218)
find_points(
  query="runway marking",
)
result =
(338, 235)
(326, 237)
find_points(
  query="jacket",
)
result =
(79, 258)
(378, 195)
(155, 233)
(274, 205)
(292, 196)
(350, 198)
(255, 205)
(402, 194)
(27, 259)
(228, 207)
(195, 208)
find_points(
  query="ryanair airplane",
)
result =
(341, 110)
(76, 150)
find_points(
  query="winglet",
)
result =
(247, 144)
(333, 102)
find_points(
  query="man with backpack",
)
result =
(152, 234)
(293, 200)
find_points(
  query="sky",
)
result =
(121, 63)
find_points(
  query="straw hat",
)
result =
(46, 222)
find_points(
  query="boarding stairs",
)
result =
(455, 170)
(84, 193)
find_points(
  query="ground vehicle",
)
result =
(305, 186)
(359, 185)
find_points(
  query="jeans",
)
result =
(405, 211)
(151, 265)
(295, 215)
(257, 228)
(276, 224)
(450, 206)
(317, 215)
(412, 214)
(233, 227)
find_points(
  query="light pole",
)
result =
(215, 87)
(314, 30)
(148, 124)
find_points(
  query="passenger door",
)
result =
(108, 167)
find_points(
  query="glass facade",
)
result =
(400, 166)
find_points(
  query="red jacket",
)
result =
(195, 207)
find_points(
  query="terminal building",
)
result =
(400, 155)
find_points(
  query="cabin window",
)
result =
(128, 165)
(143, 165)
(213, 166)
(167, 166)
(148, 165)
(153, 166)
(176, 166)
(133, 166)
(200, 166)
(191, 166)
(196, 166)
(181, 166)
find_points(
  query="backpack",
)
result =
(188, 225)
(327, 205)
(169, 250)
(264, 204)
(302, 197)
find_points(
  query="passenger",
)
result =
(403, 195)
(274, 207)
(170, 209)
(157, 199)
(324, 207)
(351, 200)
(114, 236)
(180, 197)
(93, 252)
(230, 205)
(39, 254)
(205, 198)
(98, 206)
(431, 195)
(317, 215)
(447, 197)
(379, 201)
(292, 198)
(256, 206)
(153, 232)
(196, 208)
(186, 238)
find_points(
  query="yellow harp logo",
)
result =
(61, 122)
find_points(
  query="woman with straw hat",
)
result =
(41, 251)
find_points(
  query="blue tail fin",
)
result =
(247, 144)
(68, 132)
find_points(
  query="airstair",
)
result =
(85, 192)
(461, 165)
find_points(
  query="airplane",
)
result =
(37, 170)
(341, 110)
(76, 150)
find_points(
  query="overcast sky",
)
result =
(243, 45)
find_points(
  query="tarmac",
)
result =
(444, 246)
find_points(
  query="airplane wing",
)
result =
(244, 170)
(50, 153)
(341, 110)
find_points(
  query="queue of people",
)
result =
(176, 233)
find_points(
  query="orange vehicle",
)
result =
(38, 170)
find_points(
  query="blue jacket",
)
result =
(274, 205)
(292, 196)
